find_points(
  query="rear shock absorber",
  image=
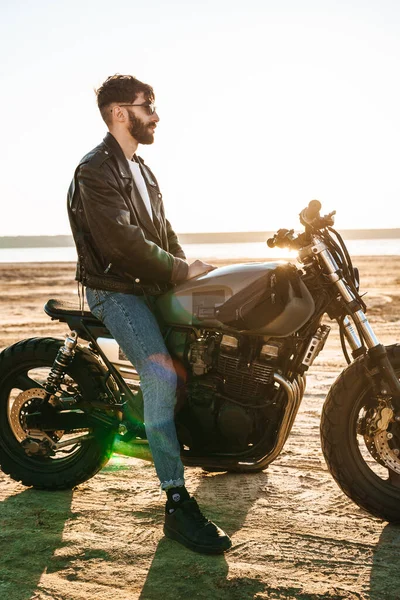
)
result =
(61, 363)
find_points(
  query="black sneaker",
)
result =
(189, 526)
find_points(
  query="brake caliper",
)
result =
(381, 442)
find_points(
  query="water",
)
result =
(253, 250)
(19, 255)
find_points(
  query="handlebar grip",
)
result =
(308, 214)
(312, 210)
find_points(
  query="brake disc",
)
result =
(379, 440)
(387, 454)
(24, 404)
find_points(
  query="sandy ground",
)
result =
(295, 534)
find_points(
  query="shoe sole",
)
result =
(174, 535)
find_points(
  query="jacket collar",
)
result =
(120, 157)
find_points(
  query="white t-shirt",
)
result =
(141, 185)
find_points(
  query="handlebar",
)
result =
(311, 219)
(283, 238)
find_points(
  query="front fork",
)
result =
(379, 366)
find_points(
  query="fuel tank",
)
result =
(195, 301)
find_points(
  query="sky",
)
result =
(264, 105)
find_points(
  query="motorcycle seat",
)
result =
(60, 309)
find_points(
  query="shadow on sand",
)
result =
(176, 572)
(385, 573)
(31, 528)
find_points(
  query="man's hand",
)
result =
(198, 267)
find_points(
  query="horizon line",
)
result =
(66, 240)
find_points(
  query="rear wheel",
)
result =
(24, 368)
(365, 463)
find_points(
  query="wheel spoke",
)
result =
(27, 453)
(24, 382)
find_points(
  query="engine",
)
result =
(230, 394)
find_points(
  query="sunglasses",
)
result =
(150, 107)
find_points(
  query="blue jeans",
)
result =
(134, 326)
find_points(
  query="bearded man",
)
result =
(127, 254)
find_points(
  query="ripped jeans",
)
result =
(134, 327)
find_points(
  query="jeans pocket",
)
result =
(96, 299)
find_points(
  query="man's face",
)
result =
(141, 124)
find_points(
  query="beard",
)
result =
(142, 132)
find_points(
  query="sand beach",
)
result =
(296, 535)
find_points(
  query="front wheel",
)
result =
(24, 368)
(365, 464)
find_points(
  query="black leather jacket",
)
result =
(119, 247)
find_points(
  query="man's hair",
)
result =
(120, 88)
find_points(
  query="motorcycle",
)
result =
(242, 338)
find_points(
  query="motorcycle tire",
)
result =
(363, 478)
(24, 366)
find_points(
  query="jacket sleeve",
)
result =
(173, 243)
(122, 244)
